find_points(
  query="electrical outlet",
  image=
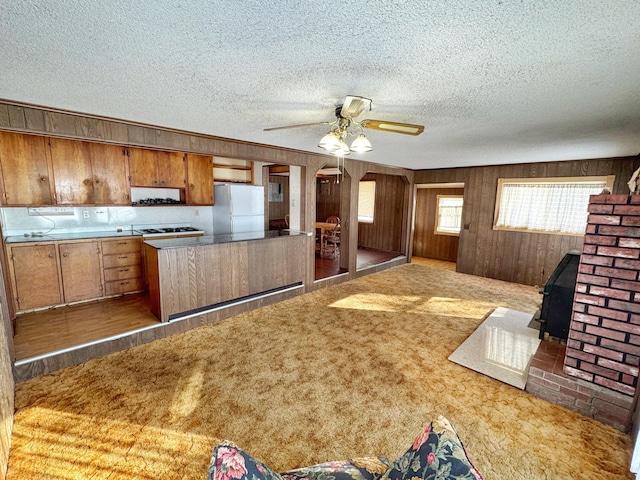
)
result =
(85, 214)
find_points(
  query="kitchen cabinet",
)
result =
(122, 264)
(34, 275)
(26, 170)
(54, 273)
(89, 173)
(80, 269)
(199, 180)
(152, 168)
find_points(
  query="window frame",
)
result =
(437, 222)
(607, 179)
(362, 219)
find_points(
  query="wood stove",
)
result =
(557, 300)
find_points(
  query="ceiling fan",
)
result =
(334, 141)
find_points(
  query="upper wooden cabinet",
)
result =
(89, 173)
(25, 170)
(199, 180)
(152, 168)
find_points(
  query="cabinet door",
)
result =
(25, 169)
(199, 180)
(71, 161)
(110, 182)
(81, 274)
(35, 276)
(171, 169)
(143, 167)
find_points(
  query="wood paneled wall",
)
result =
(7, 390)
(425, 242)
(277, 210)
(328, 197)
(385, 233)
(527, 258)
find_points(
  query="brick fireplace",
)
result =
(601, 359)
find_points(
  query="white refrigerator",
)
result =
(238, 208)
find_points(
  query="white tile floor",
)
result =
(502, 347)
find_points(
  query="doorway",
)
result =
(438, 221)
(333, 186)
(278, 197)
(382, 215)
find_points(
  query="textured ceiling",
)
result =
(494, 82)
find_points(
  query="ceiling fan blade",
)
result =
(395, 127)
(354, 106)
(296, 126)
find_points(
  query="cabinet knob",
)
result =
(50, 256)
(87, 181)
(64, 255)
(122, 243)
(123, 257)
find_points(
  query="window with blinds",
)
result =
(366, 201)
(547, 205)
(449, 214)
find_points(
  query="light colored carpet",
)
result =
(501, 347)
(348, 371)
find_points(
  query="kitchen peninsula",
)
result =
(196, 275)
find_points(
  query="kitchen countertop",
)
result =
(220, 239)
(51, 237)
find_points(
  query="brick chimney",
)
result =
(603, 347)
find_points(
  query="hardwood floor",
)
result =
(329, 267)
(43, 332)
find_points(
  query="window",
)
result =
(546, 205)
(449, 215)
(366, 201)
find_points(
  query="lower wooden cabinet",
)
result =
(80, 268)
(35, 275)
(55, 273)
(122, 263)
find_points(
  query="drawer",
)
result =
(123, 286)
(120, 260)
(122, 245)
(121, 273)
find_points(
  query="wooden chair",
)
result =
(286, 220)
(333, 219)
(331, 243)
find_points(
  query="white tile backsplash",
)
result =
(16, 220)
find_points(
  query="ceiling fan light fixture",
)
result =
(361, 144)
(343, 149)
(330, 142)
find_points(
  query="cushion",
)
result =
(437, 453)
(369, 468)
(228, 462)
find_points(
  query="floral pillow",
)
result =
(228, 462)
(437, 454)
(369, 468)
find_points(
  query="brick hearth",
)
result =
(548, 380)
